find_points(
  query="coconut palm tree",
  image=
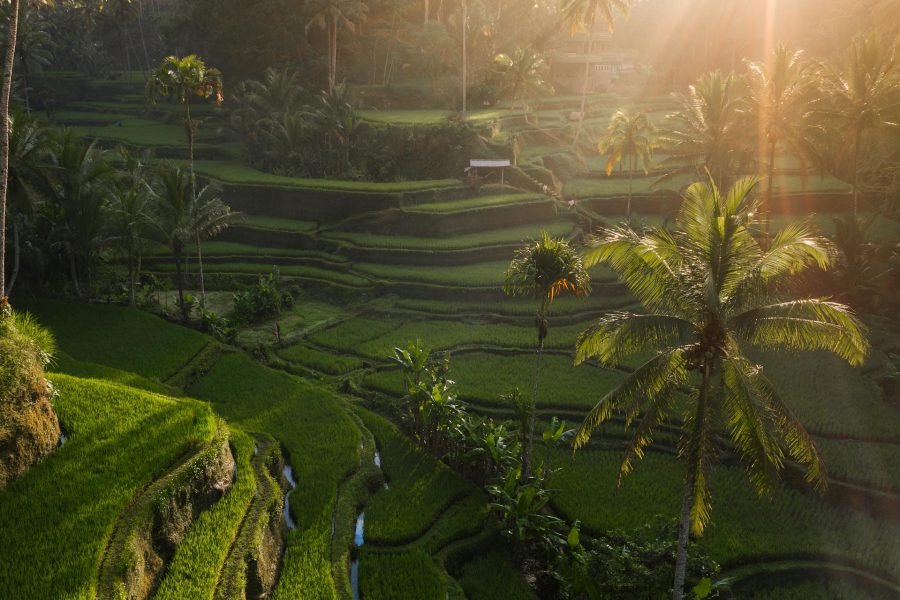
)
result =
(707, 132)
(184, 78)
(522, 74)
(864, 97)
(782, 97)
(29, 151)
(332, 15)
(76, 190)
(544, 269)
(582, 14)
(712, 292)
(629, 135)
(183, 217)
(12, 29)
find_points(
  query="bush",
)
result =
(262, 300)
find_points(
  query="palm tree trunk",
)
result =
(630, 181)
(4, 135)
(200, 268)
(179, 276)
(767, 207)
(857, 138)
(684, 524)
(16, 251)
(529, 438)
(465, 54)
(131, 301)
(73, 272)
(584, 87)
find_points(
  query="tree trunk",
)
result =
(179, 277)
(857, 139)
(73, 272)
(143, 39)
(529, 438)
(766, 211)
(16, 252)
(131, 301)
(200, 267)
(465, 55)
(684, 529)
(4, 135)
(584, 88)
(630, 181)
(684, 524)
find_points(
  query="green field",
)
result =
(120, 439)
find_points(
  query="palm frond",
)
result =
(620, 335)
(699, 447)
(663, 371)
(745, 403)
(655, 414)
(811, 324)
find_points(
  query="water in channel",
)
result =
(289, 475)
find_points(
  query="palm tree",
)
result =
(706, 133)
(782, 97)
(629, 135)
(183, 217)
(332, 15)
(130, 215)
(582, 14)
(12, 29)
(544, 269)
(29, 148)
(76, 192)
(33, 50)
(711, 292)
(184, 78)
(864, 97)
(523, 74)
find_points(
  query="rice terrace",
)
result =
(475, 299)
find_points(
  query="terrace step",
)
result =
(252, 565)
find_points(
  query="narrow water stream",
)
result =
(62, 439)
(289, 475)
(359, 538)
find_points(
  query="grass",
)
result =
(486, 274)
(247, 250)
(420, 487)
(63, 363)
(400, 575)
(744, 527)
(322, 446)
(514, 307)
(56, 520)
(618, 186)
(468, 241)
(294, 323)
(377, 337)
(864, 463)
(830, 397)
(482, 377)
(491, 576)
(141, 132)
(276, 224)
(462, 519)
(477, 202)
(195, 568)
(121, 338)
(238, 173)
(326, 362)
(425, 117)
(817, 588)
(303, 272)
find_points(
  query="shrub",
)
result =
(263, 299)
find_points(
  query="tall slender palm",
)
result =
(523, 74)
(331, 16)
(582, 14)
(183, 79)
(12, 29)
(707, 133)
(782, 96)
(864, 97)
(629, 135)
(29, 149)
(544, 269)
(712, 292)
(183, 217)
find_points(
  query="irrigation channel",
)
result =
(288, 473)
(359, 539)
